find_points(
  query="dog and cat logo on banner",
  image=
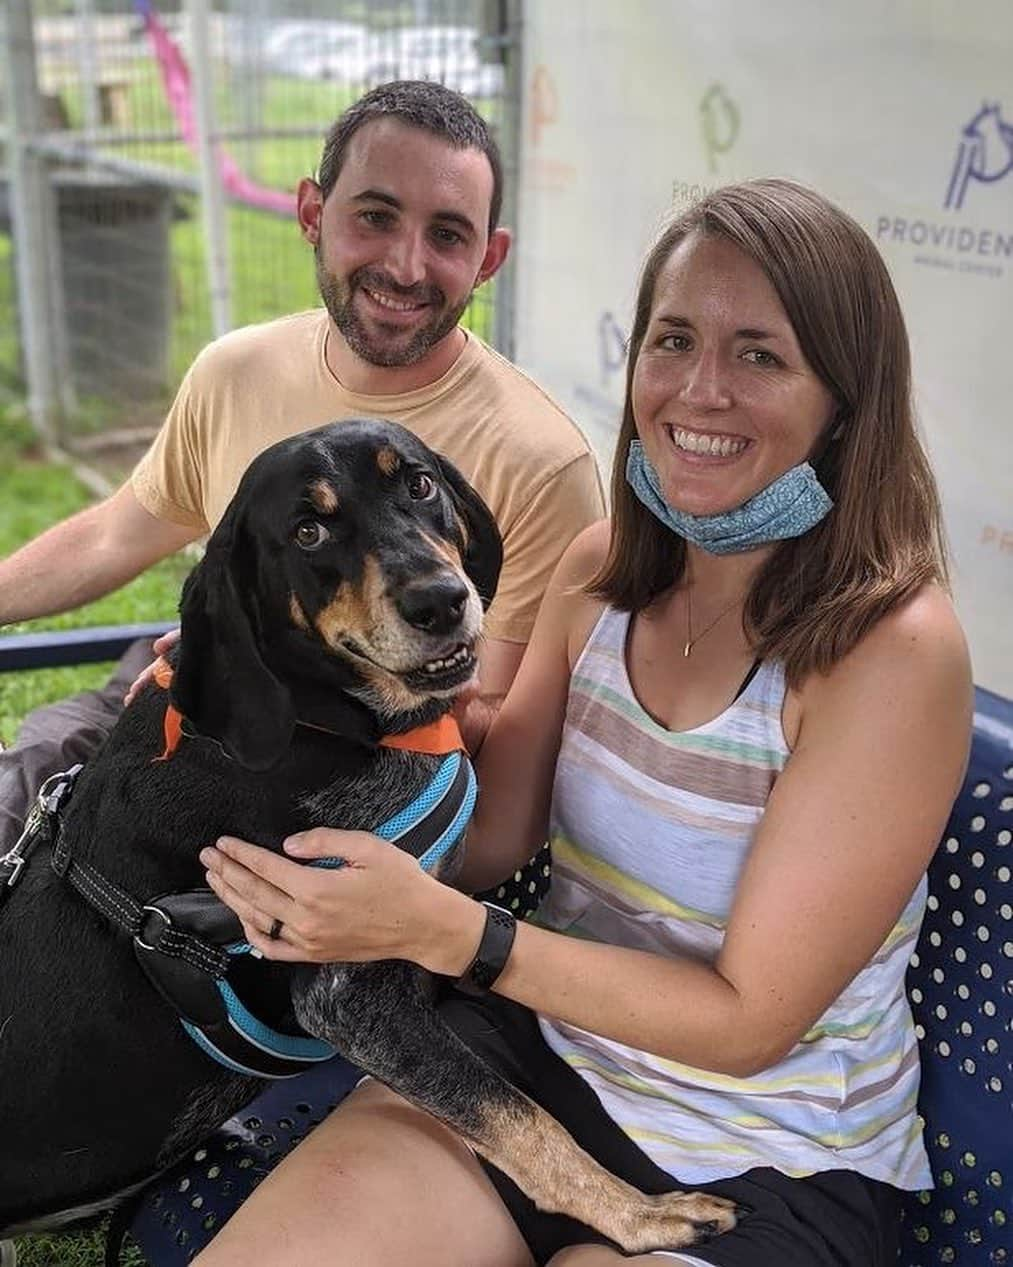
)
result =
(984, 153)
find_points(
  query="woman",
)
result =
(743, 717)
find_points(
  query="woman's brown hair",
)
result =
(818, 594)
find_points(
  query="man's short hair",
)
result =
(417, 103)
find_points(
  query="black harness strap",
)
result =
(147, 925)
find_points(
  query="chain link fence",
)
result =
(110, 111)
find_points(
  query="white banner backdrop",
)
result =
(901, 113)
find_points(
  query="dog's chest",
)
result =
(364, 799)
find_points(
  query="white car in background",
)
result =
(448, 54)
(303, 48)
(319, 50)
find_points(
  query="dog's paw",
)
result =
(676, 1220)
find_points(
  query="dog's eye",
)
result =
(310, 535)
(421, 486)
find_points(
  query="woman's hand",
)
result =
(162, 645)
(379, 905)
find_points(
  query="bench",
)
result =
(73, 646)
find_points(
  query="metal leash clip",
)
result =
(52, 797)
(13, 861)
(56, 790)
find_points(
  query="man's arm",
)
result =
(498, 663)
(86, 556)
(564, 506)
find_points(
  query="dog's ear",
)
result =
(221, 684)
(483, 554)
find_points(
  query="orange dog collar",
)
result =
(438, 738)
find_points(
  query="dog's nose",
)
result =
(434, 606)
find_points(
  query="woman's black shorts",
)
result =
(833, 1219)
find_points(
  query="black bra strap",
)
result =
(753, 670)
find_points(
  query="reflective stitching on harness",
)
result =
(119, 907)
(99, 892)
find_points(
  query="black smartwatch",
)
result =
(493, 951)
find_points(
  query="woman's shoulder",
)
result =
(882, 738)
(924, 631)
(915, 655)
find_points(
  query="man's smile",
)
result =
(393, 304)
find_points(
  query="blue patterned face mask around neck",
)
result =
(794, 503)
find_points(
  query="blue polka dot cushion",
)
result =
(961, 990)
(182, 1211)
(525, 889)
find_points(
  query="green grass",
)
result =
(34, 495)
(72, 1249)
(272, 268)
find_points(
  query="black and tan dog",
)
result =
(339, 600)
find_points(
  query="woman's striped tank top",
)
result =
(650, 829)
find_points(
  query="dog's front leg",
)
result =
(380, 1016)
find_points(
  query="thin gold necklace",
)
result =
(690, 640)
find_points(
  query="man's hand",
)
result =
(162, 645)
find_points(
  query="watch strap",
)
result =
(493, 951)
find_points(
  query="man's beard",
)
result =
(375, 349)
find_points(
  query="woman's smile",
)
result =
(709, 446)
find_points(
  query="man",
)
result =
(403, 221)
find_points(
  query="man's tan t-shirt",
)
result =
(263, 383)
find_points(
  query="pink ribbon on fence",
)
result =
(176, 81)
